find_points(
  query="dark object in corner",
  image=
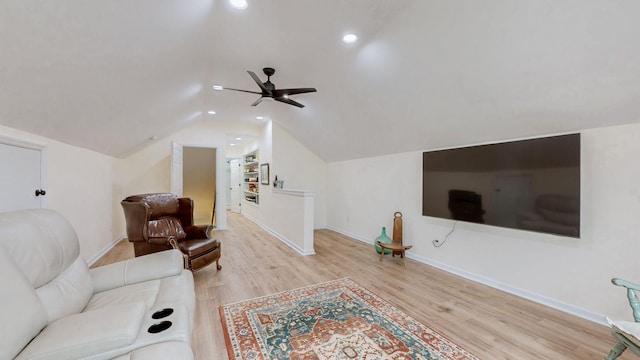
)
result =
(466, 206)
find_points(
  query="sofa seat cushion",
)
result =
(144, 292)
(154, 294)
(87, 333)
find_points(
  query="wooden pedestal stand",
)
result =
(396, 246)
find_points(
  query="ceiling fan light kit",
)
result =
(269, 91)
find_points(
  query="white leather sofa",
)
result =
(52, 306)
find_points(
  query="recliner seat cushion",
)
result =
(195, 247)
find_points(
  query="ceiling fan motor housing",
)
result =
(269, 71)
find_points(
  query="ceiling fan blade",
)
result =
(257, 102)
(257, 80)
(247, 91)
(283, 92)
(288, 101)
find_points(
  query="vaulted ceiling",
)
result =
(108, 75)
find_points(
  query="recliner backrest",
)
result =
(160, 205)
(157, 215)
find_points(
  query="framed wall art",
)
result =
(264, 174)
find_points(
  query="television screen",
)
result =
(530, 184)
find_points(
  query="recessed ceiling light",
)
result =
(239, 4)
(349, 38)
(238, 138)
(153, 138)
(217, 87)
(211, 112)
(259, 117)
(232, 144)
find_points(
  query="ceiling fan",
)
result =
(269, 89)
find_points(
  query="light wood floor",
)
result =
(487, 322)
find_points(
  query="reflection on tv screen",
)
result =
(530, 184)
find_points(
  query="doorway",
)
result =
(233, 185)
(199, 182)
(217, 164)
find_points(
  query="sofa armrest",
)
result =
(89, 333)
(143, 268)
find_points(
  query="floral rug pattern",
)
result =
(333, 320)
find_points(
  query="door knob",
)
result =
(40, 192)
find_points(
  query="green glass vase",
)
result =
(383, 238)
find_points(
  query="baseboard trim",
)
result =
(540, 299)
(95, 258)
(280, 237)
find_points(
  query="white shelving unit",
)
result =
(251, 178)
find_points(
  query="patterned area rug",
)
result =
(333, 320)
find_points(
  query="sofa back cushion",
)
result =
(22, 313)
(45, 248)
(69, 292)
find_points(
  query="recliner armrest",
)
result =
(198, 231)
(143, 268)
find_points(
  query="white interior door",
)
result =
(234, 185)
(21, 178)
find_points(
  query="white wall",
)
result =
(79, 187)
(567, 273)
(149, 170)
(300, 169)
(87, 187)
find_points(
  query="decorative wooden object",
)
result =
(396, 245)
(397, 230)
(625, 340)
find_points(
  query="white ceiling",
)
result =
(108, 75)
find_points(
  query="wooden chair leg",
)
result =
(617, 350)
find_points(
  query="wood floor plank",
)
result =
(489, 323)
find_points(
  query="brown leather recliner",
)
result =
(162, 221)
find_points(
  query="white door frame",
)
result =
(43, 161)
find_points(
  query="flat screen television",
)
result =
(531, 184)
